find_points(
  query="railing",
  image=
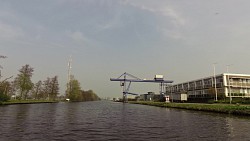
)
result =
(239, 84)
(239, 95)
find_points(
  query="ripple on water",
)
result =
(106, 120)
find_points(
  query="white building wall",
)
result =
(242, 86)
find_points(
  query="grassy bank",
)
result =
(12, 102)
(218, 108)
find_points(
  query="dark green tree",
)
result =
(74, 90)
(89, 96)
(46, 88)
(23, 79)
(37, 89)
(4, 89)
(54, 87)
(13, 88)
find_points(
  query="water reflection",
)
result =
(106, 120)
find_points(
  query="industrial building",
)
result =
(226, 85)
(125, 83)
(150, 96)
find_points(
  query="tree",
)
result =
(3, 57)
(54, 87)
(23, 80)
(74, 90)
(37, 89)
(89, 96)
(3, 97)
(13, 88)
(4, 88)
(46, 88)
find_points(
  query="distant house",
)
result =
(150, 96)
(131, 96)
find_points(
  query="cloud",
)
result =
(170, 21)
(159, 8)
(10, 32)
(8, 14)
(113, 22)
(177, 19)
(77, 36)
(79, 39)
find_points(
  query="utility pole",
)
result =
(69, 68)
(69, 75)
(171, 93)
(216, 96)
(229, 85)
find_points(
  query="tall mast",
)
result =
(69, 76)
(69, 68)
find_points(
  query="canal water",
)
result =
(105, 120)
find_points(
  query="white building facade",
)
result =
(227, 85)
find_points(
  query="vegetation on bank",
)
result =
(21, 89)
(12, 102)
(234, 109)
(75, 93)
(234, 101)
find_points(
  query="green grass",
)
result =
(12, 102)
(234, 109)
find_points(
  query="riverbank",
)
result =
(13, 102)
(234, 109)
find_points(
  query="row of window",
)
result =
(203, 92)
(240, 80)
(209, 83)
(178, 88)
(242, 90)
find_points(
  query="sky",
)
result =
(178, 39)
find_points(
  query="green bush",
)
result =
(211, 101)
(4, 97)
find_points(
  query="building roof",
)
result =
(222, 74)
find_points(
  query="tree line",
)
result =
(23, 88)
(75, 93)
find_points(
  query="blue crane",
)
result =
(124, 80)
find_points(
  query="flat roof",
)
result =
(222, 74)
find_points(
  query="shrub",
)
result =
(211, 101)
(4, 97)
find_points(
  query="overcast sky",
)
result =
(178, 39)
